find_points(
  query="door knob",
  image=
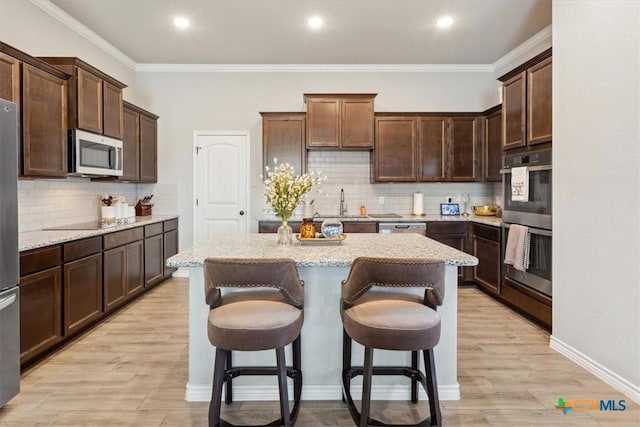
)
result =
(241, 212)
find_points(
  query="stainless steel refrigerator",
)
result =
(9, 263)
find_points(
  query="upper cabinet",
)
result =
(425, 147)
(95, 99)
(41, 92)
(492, 144)
(283, 138)
(340, 121)
(526, 103)
(139, 145)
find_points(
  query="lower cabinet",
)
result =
(452, 234)
(82, 293)
(170, 244)
(348, 226)
(153, 254)
(123, 274)
(533, 304)
(486, 247)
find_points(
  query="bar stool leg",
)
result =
(228, 388)
(367, 373)
(282, 385)
(432, 387)
(346, 359)
(218, 380)
(296, 349)
(414, 381)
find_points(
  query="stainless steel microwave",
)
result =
(92, 154)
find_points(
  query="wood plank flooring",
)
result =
(132, 371)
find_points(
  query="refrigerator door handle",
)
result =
(6, 302)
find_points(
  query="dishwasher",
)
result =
(402, 227)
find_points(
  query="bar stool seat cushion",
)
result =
(252, 321)
(392, 323)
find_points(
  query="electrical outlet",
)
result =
(381, 200)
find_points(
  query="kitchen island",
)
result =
(322, 267)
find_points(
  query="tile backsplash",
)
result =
(46, 203)
(350, 170)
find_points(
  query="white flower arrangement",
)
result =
(284, 191)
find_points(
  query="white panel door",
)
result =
(221, 184)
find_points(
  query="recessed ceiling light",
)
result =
(181, 22)
(444, 21)
(315, 22)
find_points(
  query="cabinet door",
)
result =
(89, 101)
(513, 112)
(40, 312)
(432, 149)
(44, 123)
(112, 110)
(134, 273)
(130, 146)
(283, 137)
(359, 227)
(394, 154)
(148, 149)
(539, 103)
(464, 152)
(83, 293)
(493, 147)
(153, 260)
(9, 78)
(115, 262)
(170, 249)
(323, 122)
(487, 272)
(357, 123)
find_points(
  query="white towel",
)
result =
(517, 251)
(520, 184)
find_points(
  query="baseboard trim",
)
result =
(202, 393)
(614, 380)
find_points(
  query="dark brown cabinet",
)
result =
(340, 121)
(348, 226)
(153, 254)
(9, 78)
(283, 138)
(40, 301)
(492, 144)
(82, 272)
(452, 234)
(170, 244)
(394, 156)
(94, 98)
(123, 267)
(526, 103)
(486, 247)
(426, 147)
(139, 145)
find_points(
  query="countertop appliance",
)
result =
(92, 154)
(9, 257)
(403, 227)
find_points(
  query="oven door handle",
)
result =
(532, 230)
(531, 169)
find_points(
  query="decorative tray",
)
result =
(321, 239)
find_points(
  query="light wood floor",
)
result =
(132, 369)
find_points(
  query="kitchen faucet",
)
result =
(343, 208)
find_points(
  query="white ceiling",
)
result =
(275, 31)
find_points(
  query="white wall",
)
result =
(596, 148)
(187, 102)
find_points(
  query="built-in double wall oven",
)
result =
(534, 213)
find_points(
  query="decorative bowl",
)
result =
(485, 210)
(331, 228)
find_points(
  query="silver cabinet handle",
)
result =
(6, 302)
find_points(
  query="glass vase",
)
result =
(285, 234)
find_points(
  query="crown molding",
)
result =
(69, 21)
(314, 68)
(539, 37)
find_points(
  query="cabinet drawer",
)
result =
(487, 232)
(39, 259)
(360, 227)
(124, 237)
(446, 228)
(153, 229)
(172, 224)
(82, 248)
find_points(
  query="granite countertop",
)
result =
(41, 238)
(321, 255)
(487, 220)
